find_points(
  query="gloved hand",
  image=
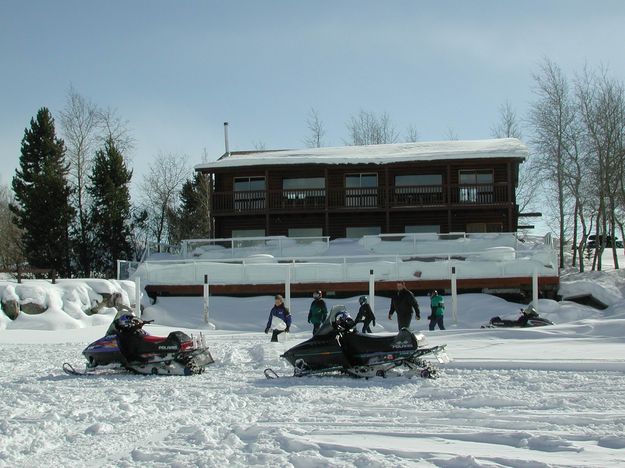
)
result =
(418, 317)
(429, 317)
(374, 323)
(390, 317)
(267, 330)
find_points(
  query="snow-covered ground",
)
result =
(522, 398)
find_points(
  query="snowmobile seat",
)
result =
(154, 338)
(366, 343)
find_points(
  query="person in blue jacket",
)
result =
(281, 312)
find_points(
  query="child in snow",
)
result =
(281, 312)
(318, 311)
(437, 304)
(365, 314)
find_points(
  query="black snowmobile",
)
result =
(338, 348)
(528, 318)
(126, 345)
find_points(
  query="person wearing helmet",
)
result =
(343, 322)
(130, 335)
(528, 313)
(365, 314)
(403, 302)
(318, 311)
(437, 303)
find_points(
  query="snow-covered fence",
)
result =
(241, 246)
(267, 269)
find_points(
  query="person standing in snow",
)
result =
(365, 314)
(403, 302)
(318, 311)
(437, 303)
(281, 312)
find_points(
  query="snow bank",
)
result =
(67, 304)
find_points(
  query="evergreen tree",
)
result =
(42, 194)
(192, 219)
(110, 212)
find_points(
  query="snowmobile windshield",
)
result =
(327, 327)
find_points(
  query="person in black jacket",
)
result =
(365, 314)
(403, 302)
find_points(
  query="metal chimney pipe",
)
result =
(226, 138)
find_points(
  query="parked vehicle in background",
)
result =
(594, 241)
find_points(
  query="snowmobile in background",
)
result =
(528, 318)
(130, 347)
(338, 348)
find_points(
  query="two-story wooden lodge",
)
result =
(350, 191)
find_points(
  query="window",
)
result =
(306, 232)
(361, 190)
(423, 228)
(304, 191)
(358, 232)
(248, 233)
(484, 227)
(476, 186)
(304, 183)
(418, 189)
(249, 193)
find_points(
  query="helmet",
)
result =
(529, 310)
(343, 321)
(362, 300)
(125, 322)
(317, 295)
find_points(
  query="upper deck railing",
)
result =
(260, 201)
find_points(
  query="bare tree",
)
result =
(10, 234)
(367, 128)
(259, 145)
(160, 191)
(508, 124)
(451, 134)
(85, 127)
(602, 109)
(80, 124)
(527, 183)
(412, 134)
(552, 119)
(115, 128)
(316, 129)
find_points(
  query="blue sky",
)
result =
(177, 70)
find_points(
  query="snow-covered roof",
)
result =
(377, 154)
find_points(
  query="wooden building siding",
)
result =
(450, 205)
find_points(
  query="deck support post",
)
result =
(287, 287)
(535, 290)
(205, 298)
(138, 296)
(372, 290)
(454, 296)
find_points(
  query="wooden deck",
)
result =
(546, 284)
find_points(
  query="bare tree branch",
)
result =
(367, 128)
(316, 129)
